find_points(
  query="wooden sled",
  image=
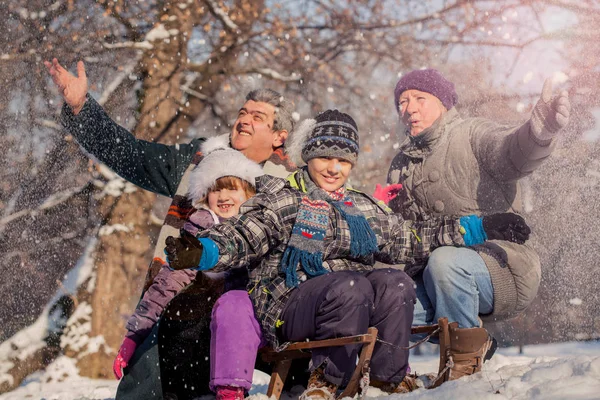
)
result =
(283, 359)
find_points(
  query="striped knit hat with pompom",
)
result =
(331, 134)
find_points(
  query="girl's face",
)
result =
(226, 202)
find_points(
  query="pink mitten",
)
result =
(388, 193)
(125, 353)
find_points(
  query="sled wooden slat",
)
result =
(283, 360)
(363, 365)
(278, 377)
(366, 338)
(274, 356)
(423, 329)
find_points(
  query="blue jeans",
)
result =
(455, 284)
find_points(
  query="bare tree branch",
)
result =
(221, 16)
(54, 200)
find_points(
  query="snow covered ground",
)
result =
(555, 371)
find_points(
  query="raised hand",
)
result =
(72, 88)
(550, 114)
(183, 252)
(506, 226)
(388, 193)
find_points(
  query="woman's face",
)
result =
(419, 110)
(226, 202)
(329, 173)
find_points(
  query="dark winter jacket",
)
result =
(153, 166)
(259, 236)
(471, 166)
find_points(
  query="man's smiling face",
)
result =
(253, 133)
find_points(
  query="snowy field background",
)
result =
(553, 371)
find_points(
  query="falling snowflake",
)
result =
(576, 301)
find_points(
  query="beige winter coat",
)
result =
(471, 166)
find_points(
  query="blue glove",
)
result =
(473, 230)
(502, 226)
(210, 255)
(188, 252)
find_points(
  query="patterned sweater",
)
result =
(259, 235)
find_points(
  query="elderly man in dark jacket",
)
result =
(450, 165)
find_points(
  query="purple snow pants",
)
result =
(346, 303)
(235, 339)
(332, 305)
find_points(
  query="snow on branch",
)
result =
(193, 92)
(20, 348)
(52, 201)
(271, 73)
(19, 56)
(144, 45)
(159, 32)
(189, 80)
(48, 124)
(7, 57)
(114, 186)
(112, 86)
(222, 15)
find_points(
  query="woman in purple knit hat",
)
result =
(449, 165)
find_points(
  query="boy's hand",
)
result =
(183, 252)
(506, 226)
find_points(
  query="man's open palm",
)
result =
(73, 88)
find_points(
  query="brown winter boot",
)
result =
(409, 383)
(318, 387)
(462, 351)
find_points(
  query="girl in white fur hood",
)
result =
(219, 185)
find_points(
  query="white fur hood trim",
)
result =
(214, 143)
(297, 139)
(220, 162)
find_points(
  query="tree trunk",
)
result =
(124, 253)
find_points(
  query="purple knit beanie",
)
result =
(430, 81)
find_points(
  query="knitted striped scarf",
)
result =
(306, 243)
